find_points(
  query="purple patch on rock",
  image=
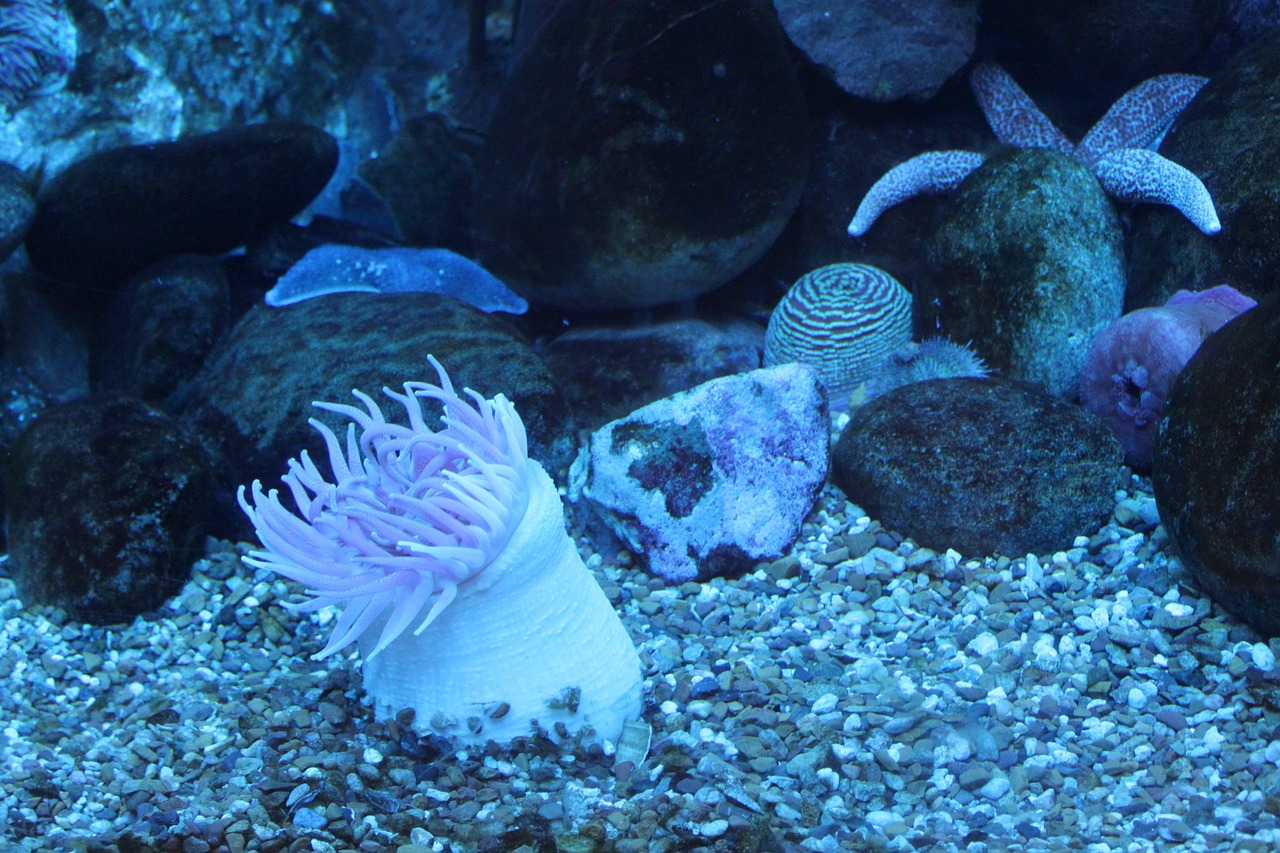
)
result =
(711, 480)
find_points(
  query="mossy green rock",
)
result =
(1027, 265)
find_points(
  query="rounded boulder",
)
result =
(1216, 467)
(641, 154)
(982, 465)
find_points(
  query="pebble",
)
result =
(925, 699)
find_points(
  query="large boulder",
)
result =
(1028, 265)
(711, 480)
(114, 212)
(1216, 468)
(642, 153)
(108, 506)
(982, 465)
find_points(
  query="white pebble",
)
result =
(983, 644)
(996, 788)
(1137, 699)
(1263, 657)
(372, 756)
(880, 818)
(825, 703)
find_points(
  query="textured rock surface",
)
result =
(1027, 265)
(1229, 137)
(1076, 51)
(108, 506)
(17, 209)
(641, 153)
(884, 50)
(114, 212)
(1216, 472)
(160, 328)
(254, 396)
(607, 373)
(984, 466)
(712, 480)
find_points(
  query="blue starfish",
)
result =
(1117, 150)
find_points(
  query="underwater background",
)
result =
(662, 425)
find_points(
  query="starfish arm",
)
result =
(1141, 116)
(1013, 116)
(931, 173)
(1142, 175)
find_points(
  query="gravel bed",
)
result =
(860, 694)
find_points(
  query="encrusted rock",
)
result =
(982, 465)
(108, 507)
(1028, 267)
(709, 481)
(1216, 473)
(876, 49)
(254, 396)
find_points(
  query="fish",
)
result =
(336, 268)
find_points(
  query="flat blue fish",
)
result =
(335, 268)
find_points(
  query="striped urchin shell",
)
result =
(844, 320)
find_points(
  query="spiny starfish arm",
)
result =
(1141, 115)
(1142, 175)
(931, 173)
(1013, 116)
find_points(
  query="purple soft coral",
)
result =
(1132, 363)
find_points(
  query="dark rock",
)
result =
(253, 398)
(1027, 266)
(607, 373)
(108, 508)
(21, 402)
(160, 329)
(1216, 471)
(1229, 137)
(17, 208)
(42, 339)
(984, 466)
(641, 154)
(109, 215)
(424, 174)
(1089, 54)
(874, 50)
(710, 481)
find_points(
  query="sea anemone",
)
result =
(37, 48)
(1131, 364)
(458, 535)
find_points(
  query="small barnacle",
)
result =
(562, 731)
(440, 721)
(566, 700)
(474, 725)
(497, 712)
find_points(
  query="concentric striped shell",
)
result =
(844, 320)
